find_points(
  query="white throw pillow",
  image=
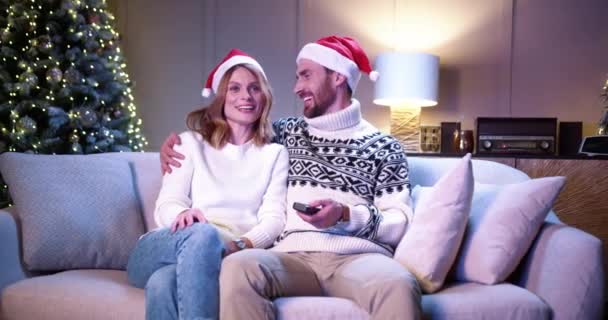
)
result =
(431, 242)
(503, 223)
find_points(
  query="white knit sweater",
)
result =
(340, 156)
(240, 189)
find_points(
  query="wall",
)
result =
(545, 58)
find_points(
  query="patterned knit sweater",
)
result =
(342, 157)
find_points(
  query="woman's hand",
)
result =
(186, 218)
(231, 246)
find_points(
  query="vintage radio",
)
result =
(516, 136)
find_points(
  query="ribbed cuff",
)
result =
(359, 215)
(258, 239)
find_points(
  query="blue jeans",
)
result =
(179, 272)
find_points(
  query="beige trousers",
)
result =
(251, 279)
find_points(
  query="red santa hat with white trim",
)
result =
(233, 58)
(341, 54)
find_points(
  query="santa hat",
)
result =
(341, 54)
(233, 58)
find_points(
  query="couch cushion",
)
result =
(105, 294)
(433, 238)
(503, 223)
(75, 211)
(76, 294)
(318, 308)
(478, 301)
(455, 301)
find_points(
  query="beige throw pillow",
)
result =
(433, 238)
(503, 223)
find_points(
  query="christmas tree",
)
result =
(63, 84)
(603, 125)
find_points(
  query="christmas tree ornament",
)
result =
(88, 117)
(94, 3)
(73, 54)
(53, 27)
(80, 19)
(28, 78)
(90, 139)
(118, 113)
(72, 76)
(64, 93)
(94, 18)
(23, 89)
(76, 148)
(44, 44)
(26, 125)
(54, 76)
(32, 53)
(103, 132)
(55, 111)
(67, 5)
(6, 36)
(106, 35)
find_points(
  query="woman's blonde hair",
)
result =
(210, 121)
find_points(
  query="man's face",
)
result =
(315, 87)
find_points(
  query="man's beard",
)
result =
(322, 101)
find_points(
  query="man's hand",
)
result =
(168, 156)
(186, 218)
(331, 212)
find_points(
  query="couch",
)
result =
(560, 277)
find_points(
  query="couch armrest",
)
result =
(565, 268)
(10, 262)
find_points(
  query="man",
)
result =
(357, 176)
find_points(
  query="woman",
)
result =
(228, 195)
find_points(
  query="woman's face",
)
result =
(244, 98)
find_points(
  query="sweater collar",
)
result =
(343, 119)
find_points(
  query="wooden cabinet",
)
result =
(583, 203)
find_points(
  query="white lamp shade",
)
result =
(408, 79)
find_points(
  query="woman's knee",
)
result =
(204, 234)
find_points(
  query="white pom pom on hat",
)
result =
(233, 58)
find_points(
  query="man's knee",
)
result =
(408, 280)
(398, 284)
(241, 269)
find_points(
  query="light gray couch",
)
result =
(561, 277)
